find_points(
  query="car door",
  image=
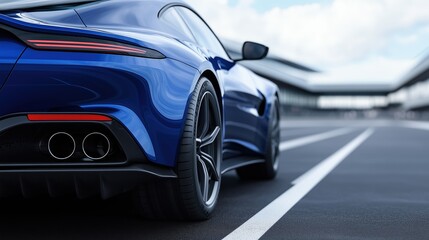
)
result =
(242, 100)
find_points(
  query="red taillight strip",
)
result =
(68, 117)
(89, 45)
(86, 47)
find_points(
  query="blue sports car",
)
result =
(100, 98)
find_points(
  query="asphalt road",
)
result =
(363, 180)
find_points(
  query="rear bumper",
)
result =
(146, 98)
(27, 171)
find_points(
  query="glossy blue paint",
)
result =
(9, 54)
(148, 97)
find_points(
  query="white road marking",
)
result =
(302, 123)
(259, 224)
(415, 125)
(287, 145)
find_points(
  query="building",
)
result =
(297, 94)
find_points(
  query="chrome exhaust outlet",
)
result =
(96, 146)
(61, 146)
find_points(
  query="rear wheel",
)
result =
(194, 194)
(268, 169)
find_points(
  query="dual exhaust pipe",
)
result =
(62, 146)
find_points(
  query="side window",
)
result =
(202, 32)
(175, 21)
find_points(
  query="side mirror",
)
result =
(254, 51)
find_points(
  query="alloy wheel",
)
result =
(208, 152)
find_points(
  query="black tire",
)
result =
(193, 196)
(268, 169)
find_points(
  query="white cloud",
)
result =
(407, 39)
(342, 34)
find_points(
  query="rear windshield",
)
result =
(6, 5)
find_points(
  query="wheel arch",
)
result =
(271, 94)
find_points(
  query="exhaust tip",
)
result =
(61, 146)
(96, 146)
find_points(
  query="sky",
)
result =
(350, 41)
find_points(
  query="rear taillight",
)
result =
(84, 46)
(80, 44)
